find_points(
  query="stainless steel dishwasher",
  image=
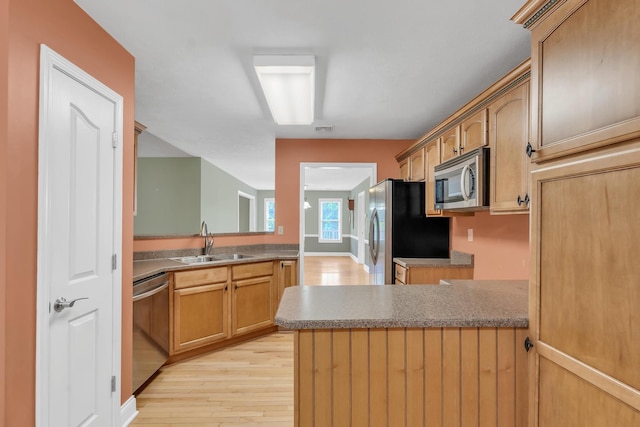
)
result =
(150, 327)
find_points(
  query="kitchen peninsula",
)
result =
(409, 355)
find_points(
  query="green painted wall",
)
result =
(175, 194)
(168, 196)
(219, 197)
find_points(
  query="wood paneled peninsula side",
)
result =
(450, 354)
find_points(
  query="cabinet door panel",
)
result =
(508, 135)
(252, 306)
(584, 291)
(432, 159)
(417, 166)
(200, 316)
(404, 169)
(245, 271)
(587, 73)
(451, 144)
(185, 279)
(473, 132)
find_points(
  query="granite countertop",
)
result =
(463, 303)
(457, 260)
(149, 267)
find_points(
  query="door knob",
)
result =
(61, 303)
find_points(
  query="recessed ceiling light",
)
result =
(288, 84)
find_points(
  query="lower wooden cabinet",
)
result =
(253, 294)
(429, 275)
(211, 305)
(200, 316)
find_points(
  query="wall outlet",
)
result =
(470, 234)
(281, 229)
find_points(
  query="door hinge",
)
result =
(527, 344)
(114, 262)
(114, 139)
(113, 384)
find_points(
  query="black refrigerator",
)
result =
(398, 228)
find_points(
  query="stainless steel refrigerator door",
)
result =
(379, 196)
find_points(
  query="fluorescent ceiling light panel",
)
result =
(288, 83)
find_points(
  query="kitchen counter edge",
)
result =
(146, 268)
(462, 303)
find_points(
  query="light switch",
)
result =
(470, 234)
(281, 229)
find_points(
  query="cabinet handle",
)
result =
(236, 287)
(455, 151)
(461, 148)
(526, 199)
(529, 150)
(226, 288)
(519, 200)
(528, 345)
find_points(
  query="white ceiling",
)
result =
(385, 69)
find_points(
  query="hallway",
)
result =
(327, 271)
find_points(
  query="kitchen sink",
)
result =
(232, 256)
(202, 259)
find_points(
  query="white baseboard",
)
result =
(128, 412)
(328, 254)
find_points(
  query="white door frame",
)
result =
(372, 181)
(361, 213)
(50, 60)
(252, 210)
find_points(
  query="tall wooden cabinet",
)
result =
(585, 192)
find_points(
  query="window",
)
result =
(269, 214)
(330, 230)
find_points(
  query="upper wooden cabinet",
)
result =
(584, 75)
(404, 169)
(432, 159)
(498, 117)
(473, 132)
(450, 144)
(417, 166)
(509, 135)
(412, 168)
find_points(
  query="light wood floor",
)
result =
(325, 270)
(250, 384)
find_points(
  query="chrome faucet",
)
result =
(208, 238)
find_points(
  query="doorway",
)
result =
(330, 177)
(246, 212)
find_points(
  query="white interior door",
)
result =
(79, 281)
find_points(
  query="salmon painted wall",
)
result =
(65, 28)
(291, 152)
(500, 244)
(4, 87)
(160, 244)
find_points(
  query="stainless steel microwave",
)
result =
(462, 183)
